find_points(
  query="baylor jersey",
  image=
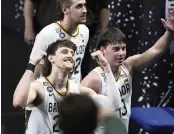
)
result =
(53, 32)
(125, 87)
(44, 117)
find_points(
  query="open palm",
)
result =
(169, 23)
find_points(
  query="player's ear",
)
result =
(64, 10)
(50, 58)
(102, 49)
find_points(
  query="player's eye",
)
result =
(124, 48)
(64, 51)
(79, 6)
(116, 48)
(72, 52)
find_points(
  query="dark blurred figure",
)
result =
(97, 20)
(78, 115)
(37, 15)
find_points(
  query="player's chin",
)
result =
(69, 66)
(83, 21)
(118, 63)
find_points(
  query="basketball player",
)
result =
(71, 27)
(46, 92)
(112, 45)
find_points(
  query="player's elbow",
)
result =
(17, 102)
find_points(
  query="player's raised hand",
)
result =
(101, 60)
(35, 59)
(169, 23)
(29, 36)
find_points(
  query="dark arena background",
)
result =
(138, 19)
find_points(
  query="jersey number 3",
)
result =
(123, 110)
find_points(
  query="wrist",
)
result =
(29, 27)
(31, 67)
(170, 31)
(32, 62)
(107, 68)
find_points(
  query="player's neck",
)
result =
(116, 71)
(58, 78)
(68, 25)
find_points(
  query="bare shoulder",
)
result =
(93, 81)
(128, 63)
(38, 88)
(36, 85)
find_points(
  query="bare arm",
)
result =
(37, 71)
(25, 92)
(28, 13)
(104, 18)
(143, 60)
(29, 34)
(23, 95)
(93, 81)
(148, 57)
(87, 91)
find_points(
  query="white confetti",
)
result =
(148, 105)
(145, 77)
(144, 91)
(155, 84)
(169, 72)
(132, 18)
(150, 12)
(126, 19)
(140, 98)
(156, 77)
(148, 86)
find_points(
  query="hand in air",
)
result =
(101, 60)
(29, 36)
(36, 58)
(169, 23)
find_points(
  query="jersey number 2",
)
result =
(77, 64)
(55, 126)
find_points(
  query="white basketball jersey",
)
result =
(43, 118)
(53, 32)
(125, 87)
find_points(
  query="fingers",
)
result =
(96, 54)
(171, 12)
(43, 53)
(164, 22)
(29, 41)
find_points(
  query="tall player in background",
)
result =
(71, 27)
(112, 45)
(46, 92)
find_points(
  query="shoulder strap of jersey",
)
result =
(64, 30)
(99, 70)
(123, 67)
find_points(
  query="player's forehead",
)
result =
(115, 45)
(76, 2)
(61, 49)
